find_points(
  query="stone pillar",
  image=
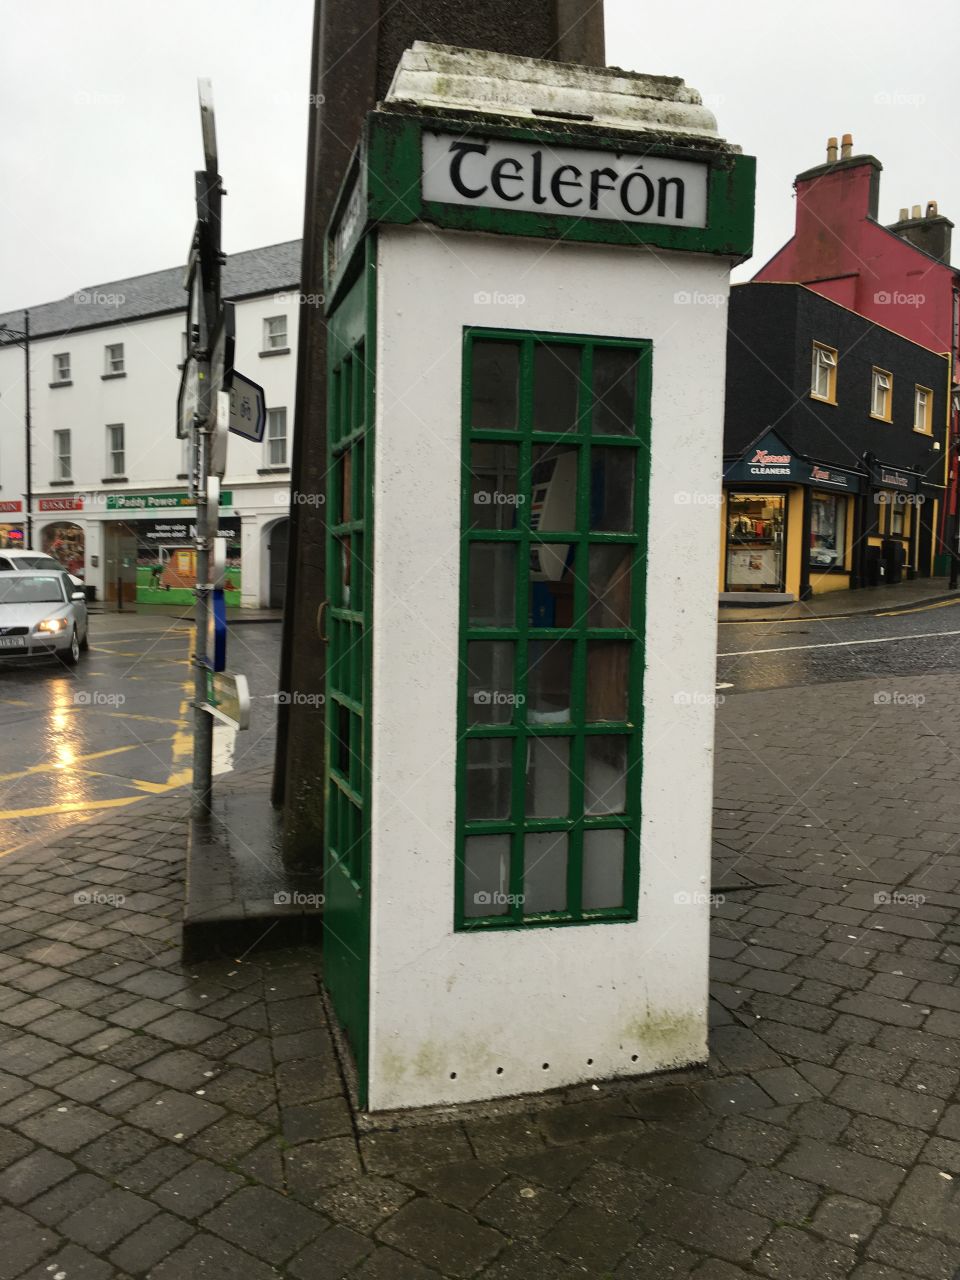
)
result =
(251, 557)
(357, 45)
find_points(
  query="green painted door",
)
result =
(346, 948)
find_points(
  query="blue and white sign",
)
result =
(248, 408)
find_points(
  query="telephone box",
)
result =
(527, 273)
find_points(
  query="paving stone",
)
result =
(196, 1189)
(441, 1237)
(819, 1119)
(735, 1093)
(785, 1085)
(524, 1261)
(750, 1139)
(865, 1060)
(896, 1247)
(62, 1200)
(613, 1188)
(740, 1050)
(151, 1243)
(845, 1219)
(582, 1120)
(230, 1138)
(175, 1115)
(315, 1121)
(845, 1171)
(179, 1068)
(265, 1224)
(521, 1209)
(685, 1164)
(363, 1203)
(104, 1222)
(893, 1142)
(33, 1174)
(185, 1028)
(213, 1259)
(159, 1166)
(888, 1102)
(331, 1256)
(67, 1126)
(463, 1183)
(733, 1234)
(929, 1202)
(790, 1254)
(95, 1083)
(774, 1195)
(387, 1152)
(387, 1264)
(652, 1256)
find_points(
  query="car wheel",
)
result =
(72, 655)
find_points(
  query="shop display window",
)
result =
(755, 541)
(828, 530)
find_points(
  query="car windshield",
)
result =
(35, 589)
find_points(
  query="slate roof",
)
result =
(256, 271)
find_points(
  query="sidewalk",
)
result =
(841, 604)
(150, 617)
(182, 1123)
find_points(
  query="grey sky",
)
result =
(101, 132)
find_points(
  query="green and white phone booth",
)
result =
(526, 282)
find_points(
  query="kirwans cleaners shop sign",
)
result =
(576, 182)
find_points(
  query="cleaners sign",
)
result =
(616, 186)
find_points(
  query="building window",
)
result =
(828, 531)
(115, 451)
(555, 433)
(823, 377)
(756, 543)
(881, 396)
(276, 437)
(275, 333)
(923, 410)
(61, 367)
(114, 358)
(61, 454)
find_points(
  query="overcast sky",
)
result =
(101, 136)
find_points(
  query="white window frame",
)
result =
(61, 372)
(823, 365)
(275, 333)
(881, 394)
(63, 458)
(270, 438)
(114, 363)
(113, 451)
(923, 418)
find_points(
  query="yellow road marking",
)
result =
(56, 765)
(84, 806)
(921, 608)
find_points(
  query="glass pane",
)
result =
(615, 390)
(490, 696)
(493, 486)
(548, 777)
(602, 869)
(553, 488)
(608, 679)
(548, 681)
(492, 584)
(486, 875)
(495, 378)
(552, 572)
(346, 487)
(608, 584)
(489, 778)
(544, 872)
(755, 541)
(556, 386)
(605, 774)
(611, 489)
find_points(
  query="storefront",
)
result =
(11, 524)
(789, 524)
(899, 525)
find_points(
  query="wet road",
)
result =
(117, 728)
(776, 655)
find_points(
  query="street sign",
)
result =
(188, 397)
(228, 698)
(248, 408)
(224, 345)
(217, 631)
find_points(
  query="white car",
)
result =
(42, 615)
(12, 558)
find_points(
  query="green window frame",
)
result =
(554, 509)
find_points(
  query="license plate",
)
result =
(13, 642)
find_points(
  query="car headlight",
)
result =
(52, 624)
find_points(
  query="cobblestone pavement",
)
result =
(172, 1123)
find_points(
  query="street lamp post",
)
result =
(21, 338)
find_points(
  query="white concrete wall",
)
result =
(145, 402)
(592, 1001)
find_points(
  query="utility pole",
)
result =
(203, 282)
(22, 339)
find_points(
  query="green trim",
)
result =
(348, 781)
(390, 174)
(525, 536)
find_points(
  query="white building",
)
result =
(108, 473)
